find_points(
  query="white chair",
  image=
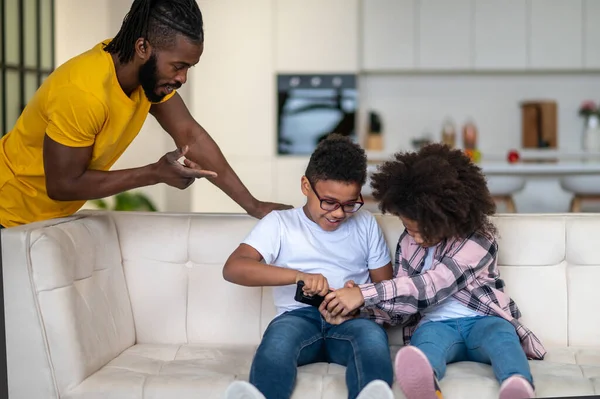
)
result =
(583, 187)
(503, 188)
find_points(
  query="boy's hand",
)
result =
(343, 301)
(350, 284)
(314, 284)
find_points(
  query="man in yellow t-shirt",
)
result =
(88, 111)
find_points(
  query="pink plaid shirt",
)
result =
(463, 268)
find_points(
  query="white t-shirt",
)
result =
(290, 239)
(450, 308)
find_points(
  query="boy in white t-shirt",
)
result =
(328, 243)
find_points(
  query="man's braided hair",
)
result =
(158, 22)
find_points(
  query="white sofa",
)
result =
(133, 305)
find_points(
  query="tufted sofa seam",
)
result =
(39, 314)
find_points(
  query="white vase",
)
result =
(591, 134)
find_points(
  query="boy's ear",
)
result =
(304, 186)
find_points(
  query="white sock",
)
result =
(377, 389)
(242, 390)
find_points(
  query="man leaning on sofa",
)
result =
(88, 111)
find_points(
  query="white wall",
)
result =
(79, 25)
(412, 104)
(234, 96)
(234, 92)
(231, 92)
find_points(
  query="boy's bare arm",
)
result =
(381, 274)
(245, 267)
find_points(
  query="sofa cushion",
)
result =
(154, 371)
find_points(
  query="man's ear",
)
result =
(143, 49)
(304, 186)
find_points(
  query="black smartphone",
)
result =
(300, 296)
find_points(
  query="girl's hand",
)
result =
(335, 320)
(343, 301)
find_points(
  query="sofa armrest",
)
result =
(29, 369)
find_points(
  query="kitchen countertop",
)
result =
(543, 181)
(541, 168)
(534, 163)
(532, 169)
(525, 154)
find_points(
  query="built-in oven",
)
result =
(310, 107)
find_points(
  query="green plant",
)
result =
(127, 201)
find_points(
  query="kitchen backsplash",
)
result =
(411, 105)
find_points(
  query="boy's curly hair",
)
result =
(439, 188)
(337, 158)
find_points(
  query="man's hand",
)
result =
(170, 171)
(314, 284)
(343, 301)
(68, 177)
(262, 209)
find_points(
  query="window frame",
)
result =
(21, 68)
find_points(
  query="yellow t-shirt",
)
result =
(80, 104)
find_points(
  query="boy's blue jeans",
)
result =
(302, 337)
(484, 339)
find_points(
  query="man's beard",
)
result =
(148, 77)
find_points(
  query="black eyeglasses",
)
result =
(331, 205)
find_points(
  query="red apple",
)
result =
(513, 156)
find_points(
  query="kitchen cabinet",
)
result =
(444, 34)
(591, 25)
(314, 36)
(556, 34)
(388, 34)
(500, 35)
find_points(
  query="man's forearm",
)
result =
(94, 184)
(205, 152)
(175, 118)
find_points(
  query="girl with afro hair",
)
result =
(446, 291)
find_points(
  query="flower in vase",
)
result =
(588, 108)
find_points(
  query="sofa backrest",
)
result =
(80, 290)
(550, 264)
(173, 267)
